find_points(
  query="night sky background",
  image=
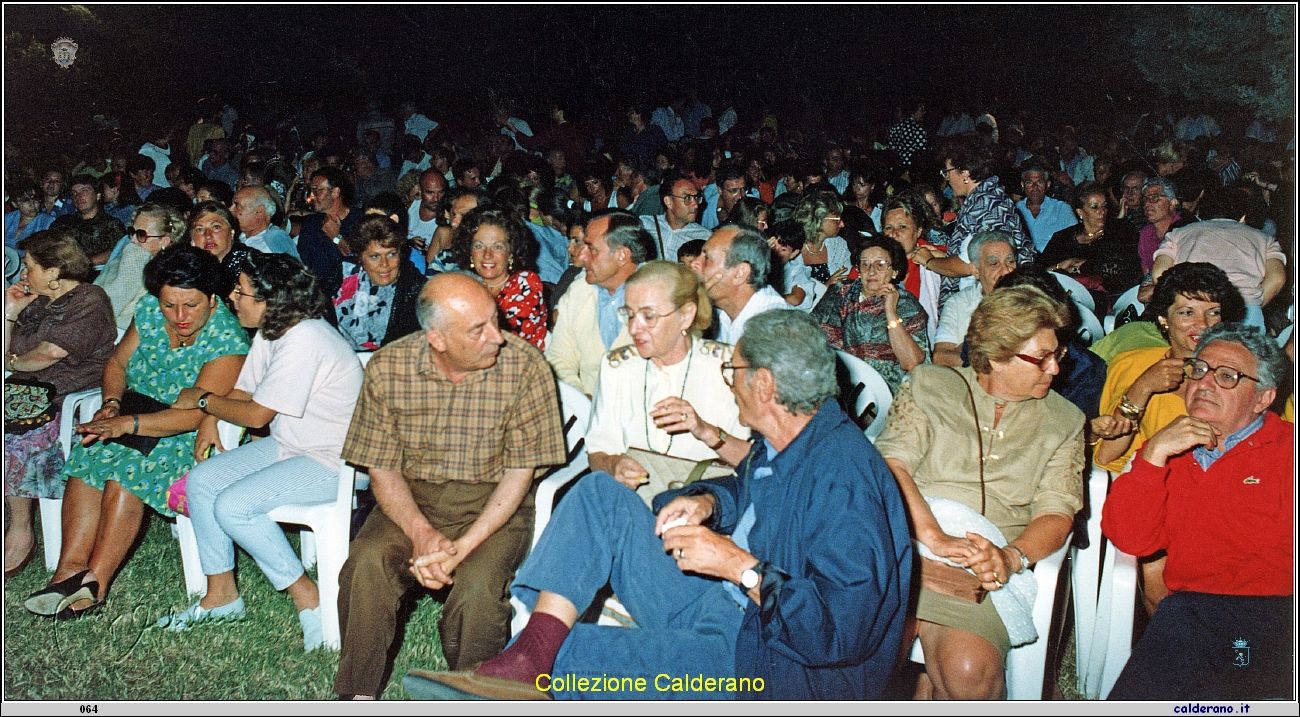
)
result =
(140, 63)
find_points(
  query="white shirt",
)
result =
(673, 239)
(730, 330)
(956, 315)
(519, 125)
(311, 378)
(797, 274)
(417, 227)
(630, 385)
(419, 125)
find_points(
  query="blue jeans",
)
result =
(687, 625)
(230, 495)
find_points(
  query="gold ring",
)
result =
(680, 554)
(683, 417)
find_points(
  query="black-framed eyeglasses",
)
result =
(143, 236)
(944, 172)
(1196, 369)
(729, 372)
(649, 317)
(1043, 362)
(688, 198)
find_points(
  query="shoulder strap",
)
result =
(979, 437)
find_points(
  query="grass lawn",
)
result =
(115, 653)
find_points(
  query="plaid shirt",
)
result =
(411, 418)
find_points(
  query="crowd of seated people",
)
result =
(694, 288)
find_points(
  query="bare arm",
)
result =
(950, 266)
(923, 521)
(946, 354)
(237, 407)
(1274, 279)
(395, 498)
(217, 375)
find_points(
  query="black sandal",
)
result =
(58, 596)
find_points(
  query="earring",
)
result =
(471, 263)
(510, 266)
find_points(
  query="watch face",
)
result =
(749, 579)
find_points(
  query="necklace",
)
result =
(1092, 235)
(499, 284)
(645, 397)
(815, 251)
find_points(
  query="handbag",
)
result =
(137, 404)
(670, 473)
(951, 580)
(29, 404)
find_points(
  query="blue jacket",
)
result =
(832, 523)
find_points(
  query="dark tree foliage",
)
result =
(1243, 54)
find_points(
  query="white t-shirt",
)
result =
(796, 274)
(956, 315)
(765, 299)
(311, 378)
(417, 227)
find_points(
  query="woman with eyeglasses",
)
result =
(495, 245)
(825, 253)
(302, 379)
(989, 461)
(1099, 252)
(1142, 384)
(154, 228)
(666, 393)
(874, 317)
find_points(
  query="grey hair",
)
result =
(987, 236)
(1271, 363)
(262, 198)
(793, 347)
(1165, 185)
(429, 313)
(172, 219)
(749, 247)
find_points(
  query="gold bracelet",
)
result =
(894, 324)
(1130, 410)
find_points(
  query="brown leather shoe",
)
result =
(465, 685)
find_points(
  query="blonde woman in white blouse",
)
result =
(665, 392)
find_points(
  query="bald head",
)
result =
(449, 294)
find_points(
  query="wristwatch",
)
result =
(203, 401)
(1024, 559)
(722, 440)
(751, 577)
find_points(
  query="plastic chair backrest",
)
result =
(1090, 330)
(869, 389)
(575, 409)
(1077, 291)
(1127, 308)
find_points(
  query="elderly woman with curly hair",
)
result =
(990, 463)
(303, 379)
(375, 289)
(495, 245)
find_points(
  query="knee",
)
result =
(968, 674)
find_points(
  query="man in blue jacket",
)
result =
(788, 580)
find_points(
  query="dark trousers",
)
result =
(475, 621)
(1200, 646)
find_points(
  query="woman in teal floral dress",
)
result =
(183, 335)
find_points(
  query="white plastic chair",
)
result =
(1027, 664)
(873, 391)
(325, 545)
(1085, 568)
(819, 293)
(1090, 329)
(1105, 590)
(1127, 307)
(575, 409)
(1077, 291)
(196, 583)
(78, 407)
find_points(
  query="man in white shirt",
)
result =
(422, 217)
(587, 325)
(669, 119)
(1043, 215)
(416, 123)
(836, 174)
(254, 207)
(994, 258)
(734, 268)
(677, 225)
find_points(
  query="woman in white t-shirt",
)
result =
(303, 379)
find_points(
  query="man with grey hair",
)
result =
(786, 581)
(994, 255)
(733, 267)
(1215, 489)
(254, 207)
(452, 424)
(588, 325)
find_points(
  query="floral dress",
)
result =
(159, 372)
(523, 309)
(857, 326)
